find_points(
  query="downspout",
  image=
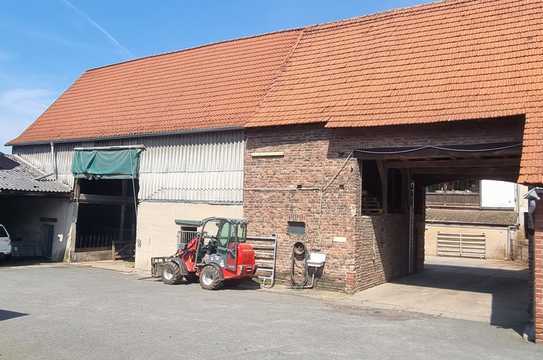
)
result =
(54, 160)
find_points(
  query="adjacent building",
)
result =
(477, 219)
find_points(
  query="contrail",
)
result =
(99, 28)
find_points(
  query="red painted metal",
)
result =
(242, 267)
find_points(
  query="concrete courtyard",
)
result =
(67, 312)
(491, 291)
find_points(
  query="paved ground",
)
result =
(66, 312)
(495, 292)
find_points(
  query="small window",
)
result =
(296, 228)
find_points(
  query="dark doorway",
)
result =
(106, 222)
(47, 237)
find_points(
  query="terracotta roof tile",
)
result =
(212, 86)
(446, 61)
(454, 60)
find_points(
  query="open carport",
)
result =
(36, 211)
(498, 292)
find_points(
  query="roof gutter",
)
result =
(128, 136)
(118, 147)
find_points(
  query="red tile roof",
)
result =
(212, 86)
(453, 60)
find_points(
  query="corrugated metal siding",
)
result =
(206, 167)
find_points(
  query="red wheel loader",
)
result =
(214, 254)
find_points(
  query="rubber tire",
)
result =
(173, 269)
(210, 271)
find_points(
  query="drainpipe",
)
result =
(54, 160)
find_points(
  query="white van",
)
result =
(5, 242)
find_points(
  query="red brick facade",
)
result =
(362, 251)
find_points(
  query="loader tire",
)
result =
(210, 278)
(171, 274)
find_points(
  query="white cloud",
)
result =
(19, 108)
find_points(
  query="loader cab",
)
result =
(219, 241)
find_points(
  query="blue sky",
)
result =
(46, 44)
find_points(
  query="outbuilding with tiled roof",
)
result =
(325, 135)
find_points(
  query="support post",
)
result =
(411, 253)
(383, 174)
(122, 222)
(69, 253)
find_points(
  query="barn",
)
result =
(326, 135)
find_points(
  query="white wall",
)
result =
(157, 231)
(496, 238)
(498, 194)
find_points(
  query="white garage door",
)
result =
(461, 245)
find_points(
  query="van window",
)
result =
(3, 232)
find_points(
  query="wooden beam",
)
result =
(122, 222)
(473, 172)
(104, 199)
(450, 151)
(459, 163)
(383, 174)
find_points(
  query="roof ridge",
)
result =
(334, 23)
(196, 48)
(386, 13)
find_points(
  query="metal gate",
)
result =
(461, 245)
(265, 252)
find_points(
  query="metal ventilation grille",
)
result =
(461, 245)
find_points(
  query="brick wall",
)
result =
(381, 249)
(269, 205)
(536, 264)
(367, 250)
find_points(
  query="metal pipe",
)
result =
(54, 160)
(116, 147)
(411, 250)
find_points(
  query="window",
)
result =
(224, 234)
(461, 193)
(468, 186)
(242, 232)
(186, 234)
(296, 228)
(3, 232)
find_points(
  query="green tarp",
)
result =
(106, 164)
